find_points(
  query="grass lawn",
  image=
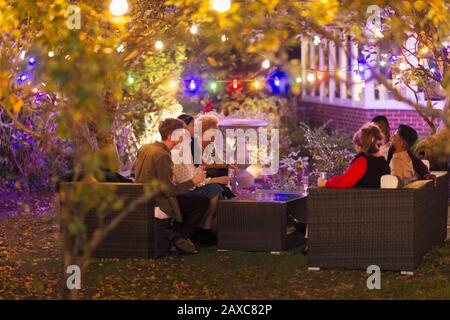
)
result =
(30, 268)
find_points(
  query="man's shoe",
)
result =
(186, 245)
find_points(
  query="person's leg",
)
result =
(207, 220)
(193, 208)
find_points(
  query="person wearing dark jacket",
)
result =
(367, 167)
(154, 162)
(402, 160)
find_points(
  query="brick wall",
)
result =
(346, 119)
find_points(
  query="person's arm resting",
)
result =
(351, 176)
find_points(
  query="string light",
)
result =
(316, 40)
(276, 81)
(51, 54)
(221, 6)
(192, 85)
(25, 76)
(361, 67)
(131, 80)
(235, 85)
(256, 84)
(194, 29)
(172, 84)
(357, 78)
(31, 61)
(159, 45)
(121, 48)
(382, 63)
(224, 38)
(22, 55)
(213, 86)
(266, 64)
(310, 77)
(118, 7)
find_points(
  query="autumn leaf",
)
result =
(17, 106)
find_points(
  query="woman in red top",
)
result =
(368, 166)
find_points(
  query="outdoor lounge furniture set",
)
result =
(347, 228)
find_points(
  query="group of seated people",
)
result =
(379, 154)
(193, 188)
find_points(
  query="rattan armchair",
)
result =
(393, 229)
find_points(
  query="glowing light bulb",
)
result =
(22, 55)
(118, 7)
(224, 38)
(221, 6)
(131, 80)
(361, 67)
(432, 70)
(213, 86)
(256, 84)
(357, 78)
(192, 85)
(172, 84)
(235, 84)
(382, 63)
(316, 40)
(298, 79)
(310, 77)
(266, 64)
(276, 81)
(194, 29)
(121, 48)
(51, 54)
(31, 61)
(159, 45)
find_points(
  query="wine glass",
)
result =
(305, 181)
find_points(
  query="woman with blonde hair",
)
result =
(367, 167)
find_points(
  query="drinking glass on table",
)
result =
(305, 181)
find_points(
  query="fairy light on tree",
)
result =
(194, 29)
(159, 45)
(221, 6)
(257, 84)
(266, 64)
(213, 86)
(316, 40)
(131, 80)
(118, 7)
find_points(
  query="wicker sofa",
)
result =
(393, 229)
(139, 235)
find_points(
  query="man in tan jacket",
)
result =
(154, 162)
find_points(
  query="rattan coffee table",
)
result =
(260, 221)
